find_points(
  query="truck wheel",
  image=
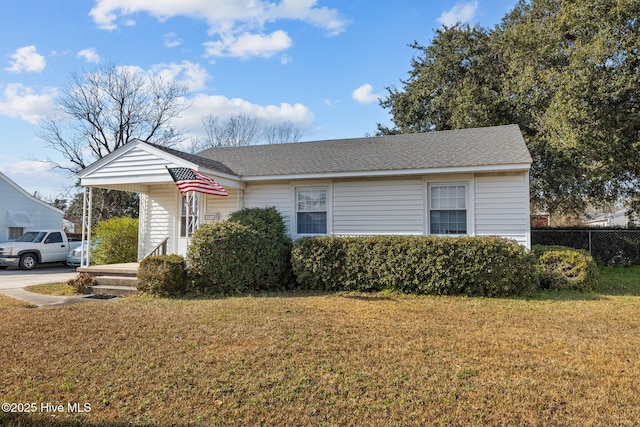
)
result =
(28, 262)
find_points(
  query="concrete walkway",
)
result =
(13, 282)
(43, 300)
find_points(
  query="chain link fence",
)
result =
(610, 247)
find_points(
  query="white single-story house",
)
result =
(20, 211)
(461, 182)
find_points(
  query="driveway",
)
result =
(13, 281)
(12, 278)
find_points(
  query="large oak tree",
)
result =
(566, 71)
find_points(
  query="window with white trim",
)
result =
(448, 208)
(311, 210)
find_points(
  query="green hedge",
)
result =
(566, 268)
(475, 266)
(163, 275)
(250, 251)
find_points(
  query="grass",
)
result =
(7, 302)
(620, 280)
(330, 359)
(57, 289)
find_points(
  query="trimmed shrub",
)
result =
(116, 241)
(475, 266)
(81, 283)
(250, 251)
(163, 275)
(265, 220)
(566, 268)
(277, 244)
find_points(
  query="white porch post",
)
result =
(240, 199)
(87, 208)
(192, 200)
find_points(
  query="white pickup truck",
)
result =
(35, 247)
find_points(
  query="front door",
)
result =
(189, 214)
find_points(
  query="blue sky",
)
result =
(321, 64)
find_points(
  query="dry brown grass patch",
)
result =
(329, 360)
(8, 302)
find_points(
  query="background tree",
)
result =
(240, 130)
(565, 71)
(235, 131)
(103, 109)
(281, 133)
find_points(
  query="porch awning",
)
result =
(20, 219)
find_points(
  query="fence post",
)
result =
(590, 243)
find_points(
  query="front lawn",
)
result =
(58, 289)
(327, 359)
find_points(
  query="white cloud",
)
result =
(26, 59)
(18, 101)
(305, 10)
(172, 40)
(236, 26)
(223, 108)
(247, 45)
(463, 12)
(194, 76)
(364, 94)
(89, 55)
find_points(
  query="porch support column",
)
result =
(87, 208)
(240, 200)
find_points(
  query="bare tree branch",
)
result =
(103, 109)
(281, 133)
(244, 130)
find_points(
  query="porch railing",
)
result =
(160, 249)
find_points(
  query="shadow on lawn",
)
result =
(24, 420)
(614, 281)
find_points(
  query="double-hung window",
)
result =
(448, 208)
(311, 210)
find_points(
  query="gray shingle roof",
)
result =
(202, 161)
(490, 146)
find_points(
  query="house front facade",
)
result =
(20, 211)
(464, 182)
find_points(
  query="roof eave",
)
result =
(515, 167)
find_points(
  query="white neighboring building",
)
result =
(463, 182)
(617, 218)
(20, 211)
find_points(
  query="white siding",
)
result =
(277, 195)
(15, 199)
(221, 206)
(378, 206)
(502, 206)
(158, 211)
(136, 162)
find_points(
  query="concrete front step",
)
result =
(117, 291)
(116, 280)
(126, 269)
(115, 285)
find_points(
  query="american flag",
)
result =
(189, 180)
